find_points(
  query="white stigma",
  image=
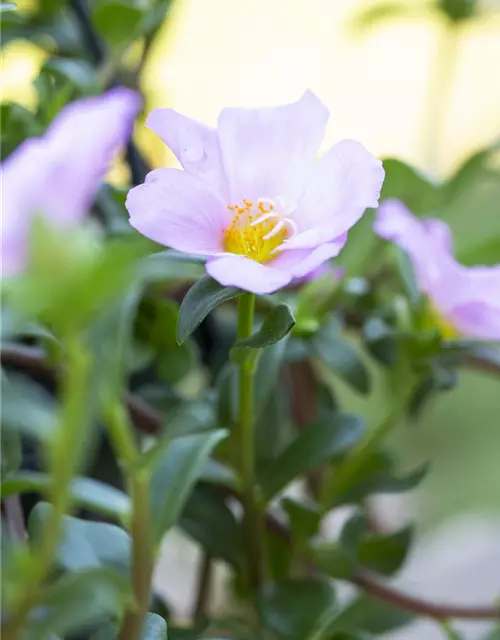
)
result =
(281, 212)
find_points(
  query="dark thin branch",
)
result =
(370, 585)
(203, 588)
(93, 43)
(485, 366)
(14, 518)
(146, 419)
(97, 54)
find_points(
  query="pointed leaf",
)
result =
(341, 357)
(385, 553)
(86, 493)
(294, 608)
(77, 601)
(27, 407)
(208, 519)
(204, 296)
(155, 628)
(176, 474)
(315, 445)
(372, 616)
(85, 544)
(276, 325)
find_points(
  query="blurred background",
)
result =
(410, 83)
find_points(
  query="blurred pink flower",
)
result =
(251, 197)
(467, 299)
(57, 175)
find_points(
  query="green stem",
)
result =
(124, 443)
(253, 530)
(64, 453)
(142, 558)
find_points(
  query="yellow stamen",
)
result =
(247, 236)
(436, 319)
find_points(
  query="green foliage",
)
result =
(175, 474)
(204, 296)
(27, 408)
(294, 608)
(84, 545)
(275, 326)
(341, 357)
(155, 628)
(100, 338)
(317, 444)
(117, 21)
(78, 601)
(372, 616)
(208, 519)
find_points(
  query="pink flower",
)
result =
(58, 174)
(467, 299)
(251, 198)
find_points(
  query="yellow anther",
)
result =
(256, 241)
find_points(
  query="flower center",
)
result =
(447, 328)
(258, 229)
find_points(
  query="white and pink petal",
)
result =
(249, 275)
(343, 184)
(194, 144)
(269, 152)
(180, 211)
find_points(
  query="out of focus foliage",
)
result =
(159, 355)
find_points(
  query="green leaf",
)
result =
(155, 628)
(294, 608)
(376, 477)
(86, 493)
(334, 560)
(155, 328)
(267, 373)
(372, 616)
(475, 187)
(339, 559)
(313, 446)
(204, 296)
(281, 555)
(78, 73)
(304, 519)
(341, 357)
(385, 553)
(77, 601)
(101, 498)
(175, 476)
(380, 341)
(273, 428)
(17, 123)
(413, 187)
(214, 472)
(458, 10)
(27, 407)
(208, 520)
(382, 12)
(117, 21)
(85, 544)
(11, 453)
(168, 266)
(276, 325)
